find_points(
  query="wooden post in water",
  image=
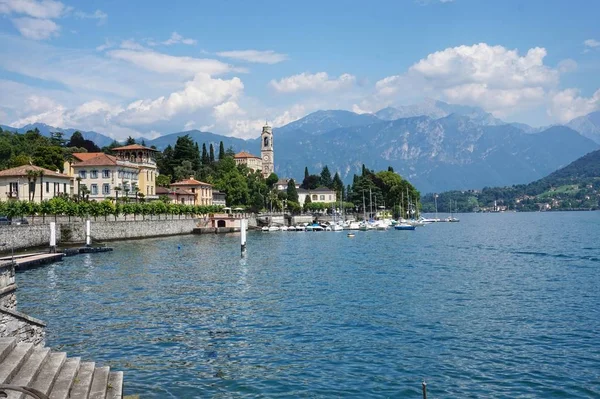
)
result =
(243, 226)
(424, 390)
(52, 237)
(88, 233)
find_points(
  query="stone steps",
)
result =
(53, 374)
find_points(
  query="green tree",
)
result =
(211, 154)
(221, 150)
(163, 180)
(49, 157)
(130, 141)
(271, 180)
(205, 158)
(292, 193)
(184, 171)
(326, 177)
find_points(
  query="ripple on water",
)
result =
(477, 309)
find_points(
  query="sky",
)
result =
(148, 68)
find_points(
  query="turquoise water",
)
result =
(499, 305)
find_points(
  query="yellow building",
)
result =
(133, 167)
(252, 162)
(143, 158)
(202, 191)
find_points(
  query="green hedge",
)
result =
(84, 209)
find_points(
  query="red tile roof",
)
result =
(22, 171)
(133, 147)
(84, 156)
(100, 159)
(190, 182)
(245, 154)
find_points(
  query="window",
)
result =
(47, 187)
(94, 174)
(330, 197)
(322, 197)
(106, 189)
(94, 189)
(65, 188)
(82, 174)
(315, 197)
(14, 189)
(31, 187)
(120, 174)
(106, 174)
(147, 190)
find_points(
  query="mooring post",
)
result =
(424, 390)
(243, 224)
(52, 237)
(88, 233)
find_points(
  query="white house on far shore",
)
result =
(319, 194)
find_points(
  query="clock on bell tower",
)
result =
(266, 151)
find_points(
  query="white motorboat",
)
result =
(265, 229)
(283, 228)
(353, 226)
(300, 228)
(291, 228)
(273, 228)
(337, 227)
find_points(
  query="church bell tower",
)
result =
(266, 151)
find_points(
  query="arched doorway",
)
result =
(220, 223)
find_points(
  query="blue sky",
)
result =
(150, 68)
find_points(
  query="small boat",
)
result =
(337, 227)
(273, 228)
(265, 229)
(353, 226)
(314, 227)
(283, 228)
(404, 226)
(291, 228)
(351, 235)
(300, 227)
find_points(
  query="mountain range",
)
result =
(437, 146)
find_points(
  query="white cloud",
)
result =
(176, 38)
(255, 56)
(498, 79)
(567, 65)
(318, 82)
(202, 92)
(591, 43)
(37, 29)
(100, 15)
(164, 63)
(568, 104)
(107, 44)
(44, 9)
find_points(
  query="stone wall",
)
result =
(21, 326)
(38, 235)
(25, 236)
(12, 322)
(120, 230)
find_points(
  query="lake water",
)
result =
(498, 305)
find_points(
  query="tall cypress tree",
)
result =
(221, 151)
(211, 155)
(205, 159)
(292, 193)
(326, 177)
(196, 162)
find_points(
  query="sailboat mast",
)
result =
(364, 208)
(370, 204)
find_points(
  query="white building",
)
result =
(320, 194)
(18, 184)
(102, 174)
